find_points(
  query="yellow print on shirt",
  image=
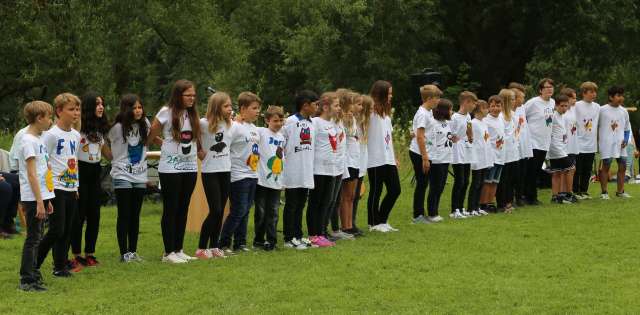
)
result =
(69, 177)
(254, 157)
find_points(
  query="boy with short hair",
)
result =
(587, 113)
(62, 142)
(614, 131)
(560, 163)
(36, 188)
(462, 153)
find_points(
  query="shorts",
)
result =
(492, 176)
(125, 184)
(560, 165)
(353, 174)
(572, 158)
(621, 161)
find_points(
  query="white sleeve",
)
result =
(163, 115)
(49, 141)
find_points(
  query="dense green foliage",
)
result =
(276, 47)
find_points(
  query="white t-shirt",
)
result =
(244, 151)
(380, 142)
(511, 150)
(298, 152)
(272, 162)
(481, 145)
(217, 147)
(63, 149)
(571, 125)
(422, 119)
(177, 157)
(129, 155)
(90, 152)
(14, 153)
(463, 149)
(439, 142)
(327, 160)
(32, 146)
(558, 146)
(495, 127)
(539, 117)
(352, 158)
(587, 117)
(612, 124)
(523, 137)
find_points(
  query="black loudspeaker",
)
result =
(426, 76)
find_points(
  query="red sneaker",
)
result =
(91, 261)
(75, 266)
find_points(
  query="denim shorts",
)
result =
(621, 161)
(492, 176)
(124, 184)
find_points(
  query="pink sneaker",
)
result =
(217, 253)
(321, 241)
(203, 254)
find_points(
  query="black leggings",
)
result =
(88, 208)
(58, 237)
(460, 184)
(422, 182)
(520, 178)
(334, 215)
(295, 199)
(128, 222)
(582, 176)
(176, 195)
(9, 197)
(216, 188)
(477, 178)
(534, 167)
(386, 175)
(437, 180)
(356, 201)
(321, 199)
(504, 193)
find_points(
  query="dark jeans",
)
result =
(58, 237)
(477, 178)
(176, 195)
(9, 198)
(242, 195)
(386, 175)
(128, 222)
(504, 193)
(29, 269)
(422, 182)
(437, 180)
(88, 208)
(461, 174)
(534, 167)
(520, 179)
(265, 216)
(356, 201)
(295, 199)
(321, 199)
(216, 188)
(582, 176)
(334, 215)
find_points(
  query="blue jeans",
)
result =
(242, 196)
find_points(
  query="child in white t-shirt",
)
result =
(571, 124)
(363, 135)
(483, 157)
(245, 156)
(587, 113)
(462, 153)
(422, 120)
(440, 141)
(560, 163)
(614, 131)
(63, 143)
(270, 169)
(525, 149)
(297, 176)
(216, 171)
(495, 128)
(36, 189)
(505, 191)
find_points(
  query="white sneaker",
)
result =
(173, 258)
(390, 228)
(465, 212)
(623, 195)
(457, 215)
(579, 196)
(305, 241)
(379, 228)
(420, 220)
(482, 212)
(184, 256)
(475, 213)
(135, 257)
(294, 243)
(604, 196)
(435, 219)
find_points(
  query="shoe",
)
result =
(81, 260)
(91, 261)
(241, 249)
(435, 219)
(217, 253)
(579, 196)
(474, 213)
(420, 220)
(339, 235)
(133, 256)
(184, 256)
(258, 245)
(295, 243)
(379, 228)
(622, 195)
(558, 199)
(568, 198)
(390, 228)
(457, 215)
(64, 273)
(586, 196)
(32, 287)
(573, 198)
(491, 208)
(306, 241)
(126, 258)
(321, 241)
(482, 212)
(74, 266)
(604, 196)
(228, 251)
(269, 247)
(465, 212)
(203, 254)
(354, 231)
(173, 258)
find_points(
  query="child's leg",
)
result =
(134, 226)
(28, 266)
(556, 182)
(335, 207)
(213, 197)
(391, 182)
(93, 212)
(316, 196)
(61, 248)
(188, 183)
(457, 197)
(346, 203)
(170, 202)
(436, 185)
(422, 181)
(260, 209)
(604, 175)
(240, 234)
(375, 191)
(356, 200)
(295, 199)
(271, 215)
(622, 168)
(80, 219)
(124, 199)
(474, 191)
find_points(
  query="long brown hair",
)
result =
(177, 106)
(380, 94)
(214, 110)
(365, 117)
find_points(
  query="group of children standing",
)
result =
(319, 156)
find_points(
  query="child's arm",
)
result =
(422, 146)
(35, 187)
(154, 133)
(106, 150)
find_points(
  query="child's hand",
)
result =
(1, 178)
(50, 208)
(40, 212)
(636, 154)
(624, 144)
(201, 154)
(426, 165)
(455, 139)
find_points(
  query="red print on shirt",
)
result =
(334, 143)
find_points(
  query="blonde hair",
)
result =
(273, 110)
(588, 86)
(429, 91)
(365, 117)
(214, 110)
(346, 98)
(517, 86)
(325, 100)
(466, 95)
(247, 98)
(35, 109)
(507, 103)
(479, 106)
